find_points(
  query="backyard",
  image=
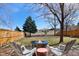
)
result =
(52, 41)
(39, 29)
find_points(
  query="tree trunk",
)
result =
(54, 30)
(62, 22)
(54, 26)
(66, 29)
(30, 34)
(61, 33)
(25, 34)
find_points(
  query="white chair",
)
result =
(22, 50)
(31, 52)
(64, 50)
(27, 52)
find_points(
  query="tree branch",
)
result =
(53, 12)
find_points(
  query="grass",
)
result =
(51, 40)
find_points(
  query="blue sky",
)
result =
(18, 13)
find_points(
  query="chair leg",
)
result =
(11, 52)
(36, 53)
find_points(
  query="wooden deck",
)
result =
(6, 52)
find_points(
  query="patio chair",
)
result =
(21, 50)
(60, 52)
(27, 52)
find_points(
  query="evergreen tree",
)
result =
(29, 25)
(78, 24)
(17, 29)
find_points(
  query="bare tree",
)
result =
(70, 19)
(52, 22)
(65, 11)
(68, 23)
(61, 11)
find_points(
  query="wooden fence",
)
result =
(9, 36)
(72, 33)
